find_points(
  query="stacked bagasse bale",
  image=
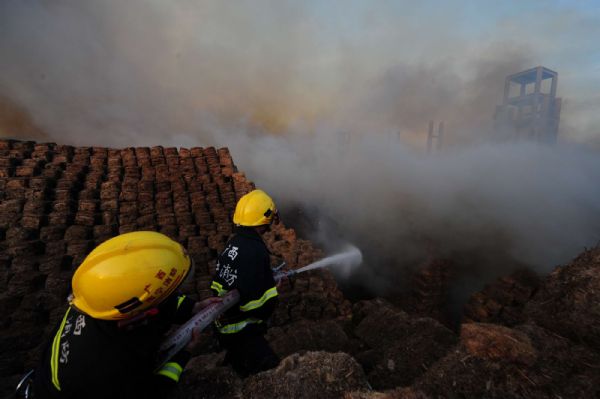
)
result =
(503, 301)
(430, 289)
(58, 202)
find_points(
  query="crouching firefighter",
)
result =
(245, 265)
(122, 304)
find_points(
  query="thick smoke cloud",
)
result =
(326, 106)
(492, 207)
(139, 70)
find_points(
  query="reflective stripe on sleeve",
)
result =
(180, 300)
(237, 327)
(257, 303)
(171, 370)
(55, 351)
(219, 288)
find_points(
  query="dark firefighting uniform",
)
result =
(245, 265)
(92, 358)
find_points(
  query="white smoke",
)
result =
(531, 204)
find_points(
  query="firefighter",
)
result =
(122, 304)
(245, 265)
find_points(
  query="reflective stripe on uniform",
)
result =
(171, 370)
(180, 300)
(219, 288)
(257, 303)
(55, 352)
(237, 327)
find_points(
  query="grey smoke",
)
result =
(505, 205)
(330, 113)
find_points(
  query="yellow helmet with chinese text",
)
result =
(255, 209)
(128, 274)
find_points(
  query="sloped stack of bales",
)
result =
(58, 202)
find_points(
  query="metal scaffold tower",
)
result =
(530, 109)
(433, 138)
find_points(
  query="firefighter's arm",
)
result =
(263, 307)
(169, 374)
(184, 309)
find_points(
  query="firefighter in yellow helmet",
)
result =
(245, 265)
(124, 300)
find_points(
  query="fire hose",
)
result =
(180, 338)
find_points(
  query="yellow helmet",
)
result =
(254, 209)
(127, 274)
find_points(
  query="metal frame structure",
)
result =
(437, 138)
(533, 113)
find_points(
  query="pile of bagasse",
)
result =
(523, 336)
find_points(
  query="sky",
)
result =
(144, 67)
(325, 104)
